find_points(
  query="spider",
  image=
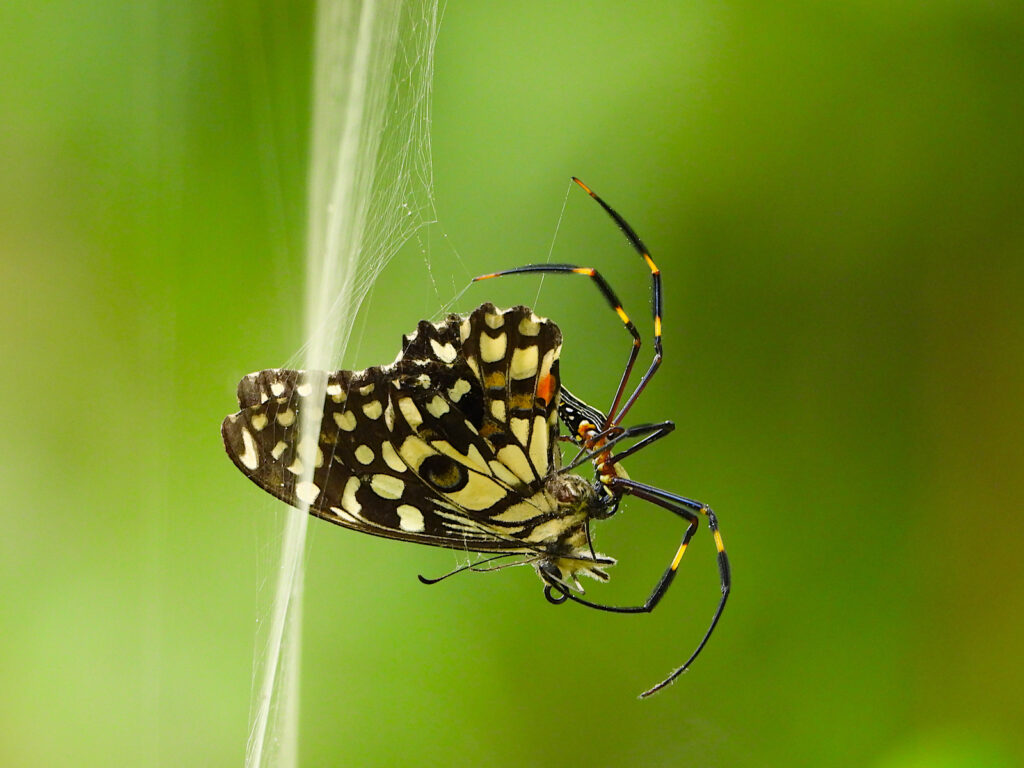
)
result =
(598, 434)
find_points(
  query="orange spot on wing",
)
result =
(546, 388)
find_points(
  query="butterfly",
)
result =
(454, 444)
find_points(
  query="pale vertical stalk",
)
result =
(355, 52)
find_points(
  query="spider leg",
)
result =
(677, 504)
(610, 297)
(693, 520)
(691, 511)
(652, 431)
(616, 417)
(657, 431)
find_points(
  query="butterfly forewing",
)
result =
(450, 445)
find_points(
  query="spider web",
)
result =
(369, 189)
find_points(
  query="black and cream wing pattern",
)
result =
(450, 445)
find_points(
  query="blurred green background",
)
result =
(834, 194)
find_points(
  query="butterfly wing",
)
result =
(419, 450)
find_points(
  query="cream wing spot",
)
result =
(504, 474)
(410, 519)
(250, 456)
(555, 354)
(296, 466)
(348, 496)
(277, 388)
(529, 326)
(363, 454)
(373, 409)
(480, 492)
(366, 390)
(414, 450)
(311, 453)
(410, 412)
(552, 529)
(524, 363)
(444, 352)
(493, 350)
(387, 487)
(498, 410)
(304, 389)
(549, 360)
(521, 430)
(493, 320)
(473, 459)
(391, 457)
(346, 420)
(259, 421)
(278, 450)
(519, 513)
(539, 443)
(286, 417)
(513, 457)
(307, 492)
(344, 515)
(458, 389)
(437, 407)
